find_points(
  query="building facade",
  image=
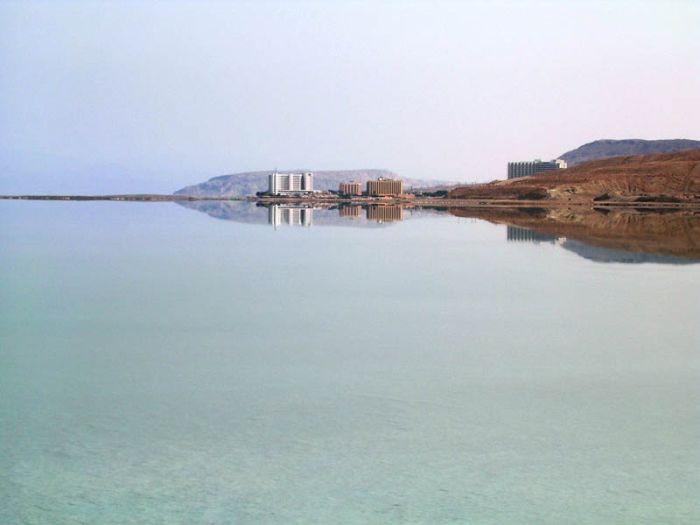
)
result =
(350, 188)
(524, 169)
(284, 183)
(384, 187)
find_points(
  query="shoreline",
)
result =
(364, 201)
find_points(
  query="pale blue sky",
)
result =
(145, 96)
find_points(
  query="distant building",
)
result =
(290, 215)
(384, 213)
(350, 188)
(384, 187)
(285, 183)
(523, 169)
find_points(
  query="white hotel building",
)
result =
(527, 168)
(285, 183)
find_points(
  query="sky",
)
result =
(152, 96)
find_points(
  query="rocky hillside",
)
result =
(672, 177)
(606, 149)
(249, 183)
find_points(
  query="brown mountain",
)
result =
(671, 177)
(606, 149)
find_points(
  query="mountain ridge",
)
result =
(609, 148)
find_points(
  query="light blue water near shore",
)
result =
(159, 366)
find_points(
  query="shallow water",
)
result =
(158, 365)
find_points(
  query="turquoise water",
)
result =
(158, 365)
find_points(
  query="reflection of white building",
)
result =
(282, 183)
(291, 215)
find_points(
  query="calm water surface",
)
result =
(158, 365)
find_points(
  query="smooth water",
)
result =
(158, 365)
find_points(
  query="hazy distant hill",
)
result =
(249, 183)
(605, 149)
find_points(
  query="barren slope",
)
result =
(671, 177)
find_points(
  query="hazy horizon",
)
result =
(146, 97)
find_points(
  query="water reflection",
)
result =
(514, 233)
(603, 235)
(290, 215)
(301, 215)
(600, 235)
(384, 213)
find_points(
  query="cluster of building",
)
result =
(524, 169)
(293, 184)
(381, 187)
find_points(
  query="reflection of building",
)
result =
(384, 187)
(281, 183)
(523, 169)
(518, 234)
(350, 188)
(349, 211)
(384, 213)
(292, 215)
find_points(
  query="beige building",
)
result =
(384, 187)
(350, 188)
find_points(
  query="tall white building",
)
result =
(283, 183)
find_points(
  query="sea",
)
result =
(226, 363)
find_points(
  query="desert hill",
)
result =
(671, 177)
(605, 149)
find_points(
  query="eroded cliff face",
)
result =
(675, 233)
(673, 177)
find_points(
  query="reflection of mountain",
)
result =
(230, 210)
(608, 235)
(608, 255)
(672, 233)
